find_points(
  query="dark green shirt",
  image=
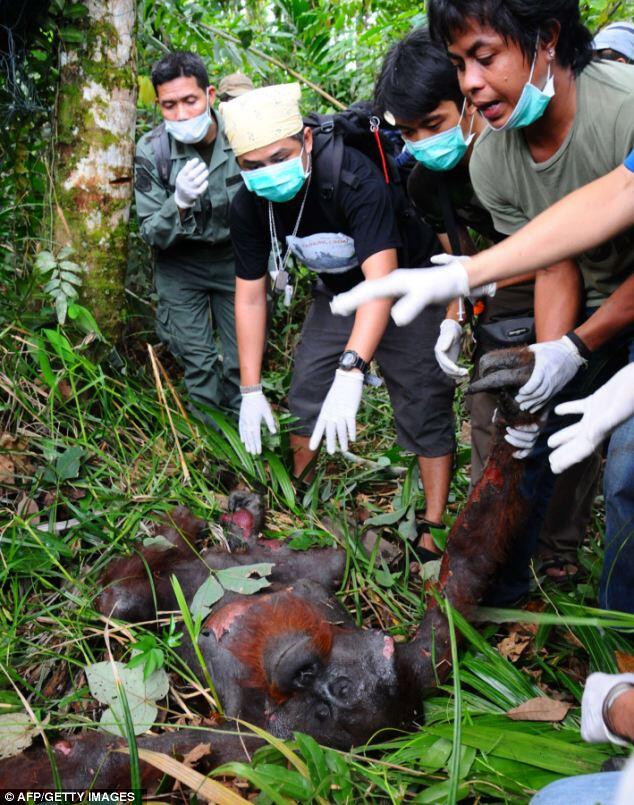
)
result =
(207, 222)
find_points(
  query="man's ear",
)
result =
(550, 37)
(308, 139)
(211, 92)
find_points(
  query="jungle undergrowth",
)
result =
(88, 458)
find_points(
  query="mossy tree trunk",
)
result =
(94, 151)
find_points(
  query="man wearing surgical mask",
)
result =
(556, 121)
(343, 237)
(417, 90)
(185, 178)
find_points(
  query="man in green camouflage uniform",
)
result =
(185, 178)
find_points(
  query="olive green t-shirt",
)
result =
(515, 189)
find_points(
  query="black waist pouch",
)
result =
(506, 333)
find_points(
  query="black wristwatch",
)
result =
(350, 360)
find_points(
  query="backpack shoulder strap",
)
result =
(449, 215)
(162, 154)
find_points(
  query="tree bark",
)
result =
(94, 152)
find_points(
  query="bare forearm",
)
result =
(558, 291)
(371, 319)
(614, 315)
(250, 309)
(584, 219)
(370, 322)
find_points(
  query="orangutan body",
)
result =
(291, 659)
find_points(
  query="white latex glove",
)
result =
(556, 363)
(523, 437)
(488, 289)
(418, 287)
(191, 182)
(597, 687)
(253, 409)
(602, 411)
(447, 349)
(337, 418)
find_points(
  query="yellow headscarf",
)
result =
(262, 117)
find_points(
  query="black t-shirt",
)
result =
(424, 188)
(333, 243)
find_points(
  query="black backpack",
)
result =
(358, 128)
(162, 155)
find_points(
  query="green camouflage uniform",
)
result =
(194, 270)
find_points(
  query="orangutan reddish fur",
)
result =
(262, 624)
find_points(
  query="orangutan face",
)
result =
(341, 699)
(285, 658)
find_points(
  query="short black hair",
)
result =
(415, 78)
(521, 21)
(177, 64)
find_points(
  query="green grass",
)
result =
(91, 444)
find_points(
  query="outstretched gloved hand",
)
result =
(602, 411)
(447, 349)
(556, 363)
(337, 418)
(488, 289)
(598, 685)
(417, 287)
(191, 182)
(253, 409)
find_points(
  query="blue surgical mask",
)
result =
(443, 151)
(279, 182)
(532, 102)
(190, 131)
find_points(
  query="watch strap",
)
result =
(359, 363)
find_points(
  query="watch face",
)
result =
(347, 360)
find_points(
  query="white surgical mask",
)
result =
(192, 130)
(532, 102)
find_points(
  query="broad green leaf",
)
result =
(439, 793)
(389, 518)
(436, 756)
(146, 96)
(67, 289)
(16, 733)
(76, 11)
(84, 319)
(72, 35)
(69, 277)
(141, 694)
(287, 782)
(45, 261)
(61, 306)
(65, 252)
(158, 541)
(143, 717)
(341, 773)
(239, 579)
(206, 596)
(68, 463)
(314, 756)
(60, 344)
